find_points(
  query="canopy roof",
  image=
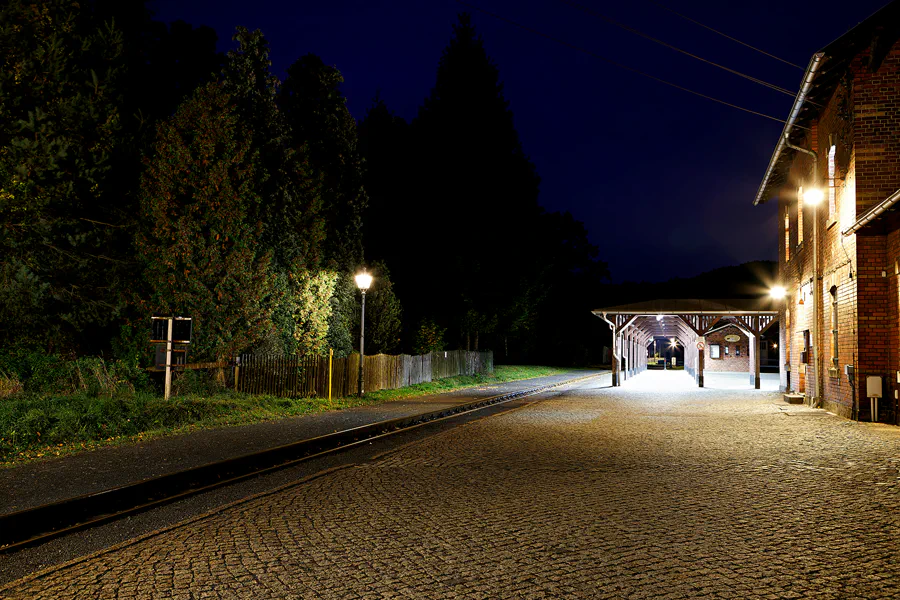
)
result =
(689, 319)
(736, 306)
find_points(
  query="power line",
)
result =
(725, 35)
(610, 20)
(618, 64)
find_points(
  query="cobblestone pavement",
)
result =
(593, 493)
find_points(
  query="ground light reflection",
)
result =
(672, 381)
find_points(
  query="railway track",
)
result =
(39, 524)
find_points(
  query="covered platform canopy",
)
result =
(634, 326)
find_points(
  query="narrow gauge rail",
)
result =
(39, 524)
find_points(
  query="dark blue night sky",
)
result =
(663, 180)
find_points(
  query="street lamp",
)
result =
(814, 196)
(363, 282)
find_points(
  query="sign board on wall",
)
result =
(732, 338)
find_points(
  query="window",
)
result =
(786, 348)
(805, 347)
(831, 202)
(737, 350)
(800, 215)
(834, 326)
(787, 235)
(726, 350)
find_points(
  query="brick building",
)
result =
(729, 351)
(839, 258)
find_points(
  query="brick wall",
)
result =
(876, 108)
(867, 157)
(731, 361)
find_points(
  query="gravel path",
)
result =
(656, 489)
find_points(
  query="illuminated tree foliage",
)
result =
(60, 221)
(200, 242)
(309, 303)
(429, 337)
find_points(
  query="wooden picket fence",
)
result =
(295, 377)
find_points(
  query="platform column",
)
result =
(630, 355)
(701, 352)
(615, 358)
(754, 360)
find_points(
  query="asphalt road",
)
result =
(656, 489)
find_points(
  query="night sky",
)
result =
(663, 180)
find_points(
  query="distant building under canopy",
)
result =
(703, 327)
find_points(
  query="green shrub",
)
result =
(9, 385)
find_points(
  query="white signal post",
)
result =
(169, 342)
(168, 391)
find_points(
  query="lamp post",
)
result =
(363, 282)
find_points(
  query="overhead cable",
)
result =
(618, 64)
(610, 20)
(724, 35)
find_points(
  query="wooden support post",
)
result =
(701, 351)
(330, 366)
(615, 358)
(628, 359)
(754, 361)
(632, 354)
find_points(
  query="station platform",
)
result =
(46, 481)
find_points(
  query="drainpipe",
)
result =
(808, 76)
(614, 365)
(817, 400)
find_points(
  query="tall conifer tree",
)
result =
(293, 226)
(317, 114)
(62, 223)
(477, 190)
(200, 240)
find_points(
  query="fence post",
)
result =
(330, 358)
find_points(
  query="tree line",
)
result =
(142, 172)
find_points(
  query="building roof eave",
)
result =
(808, 77)
(822, 76)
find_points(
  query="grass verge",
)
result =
(39, 427)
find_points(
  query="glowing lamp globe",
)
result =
(813, 196)
(778, 292)
(363, 281)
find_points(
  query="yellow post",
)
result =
(330, 357)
